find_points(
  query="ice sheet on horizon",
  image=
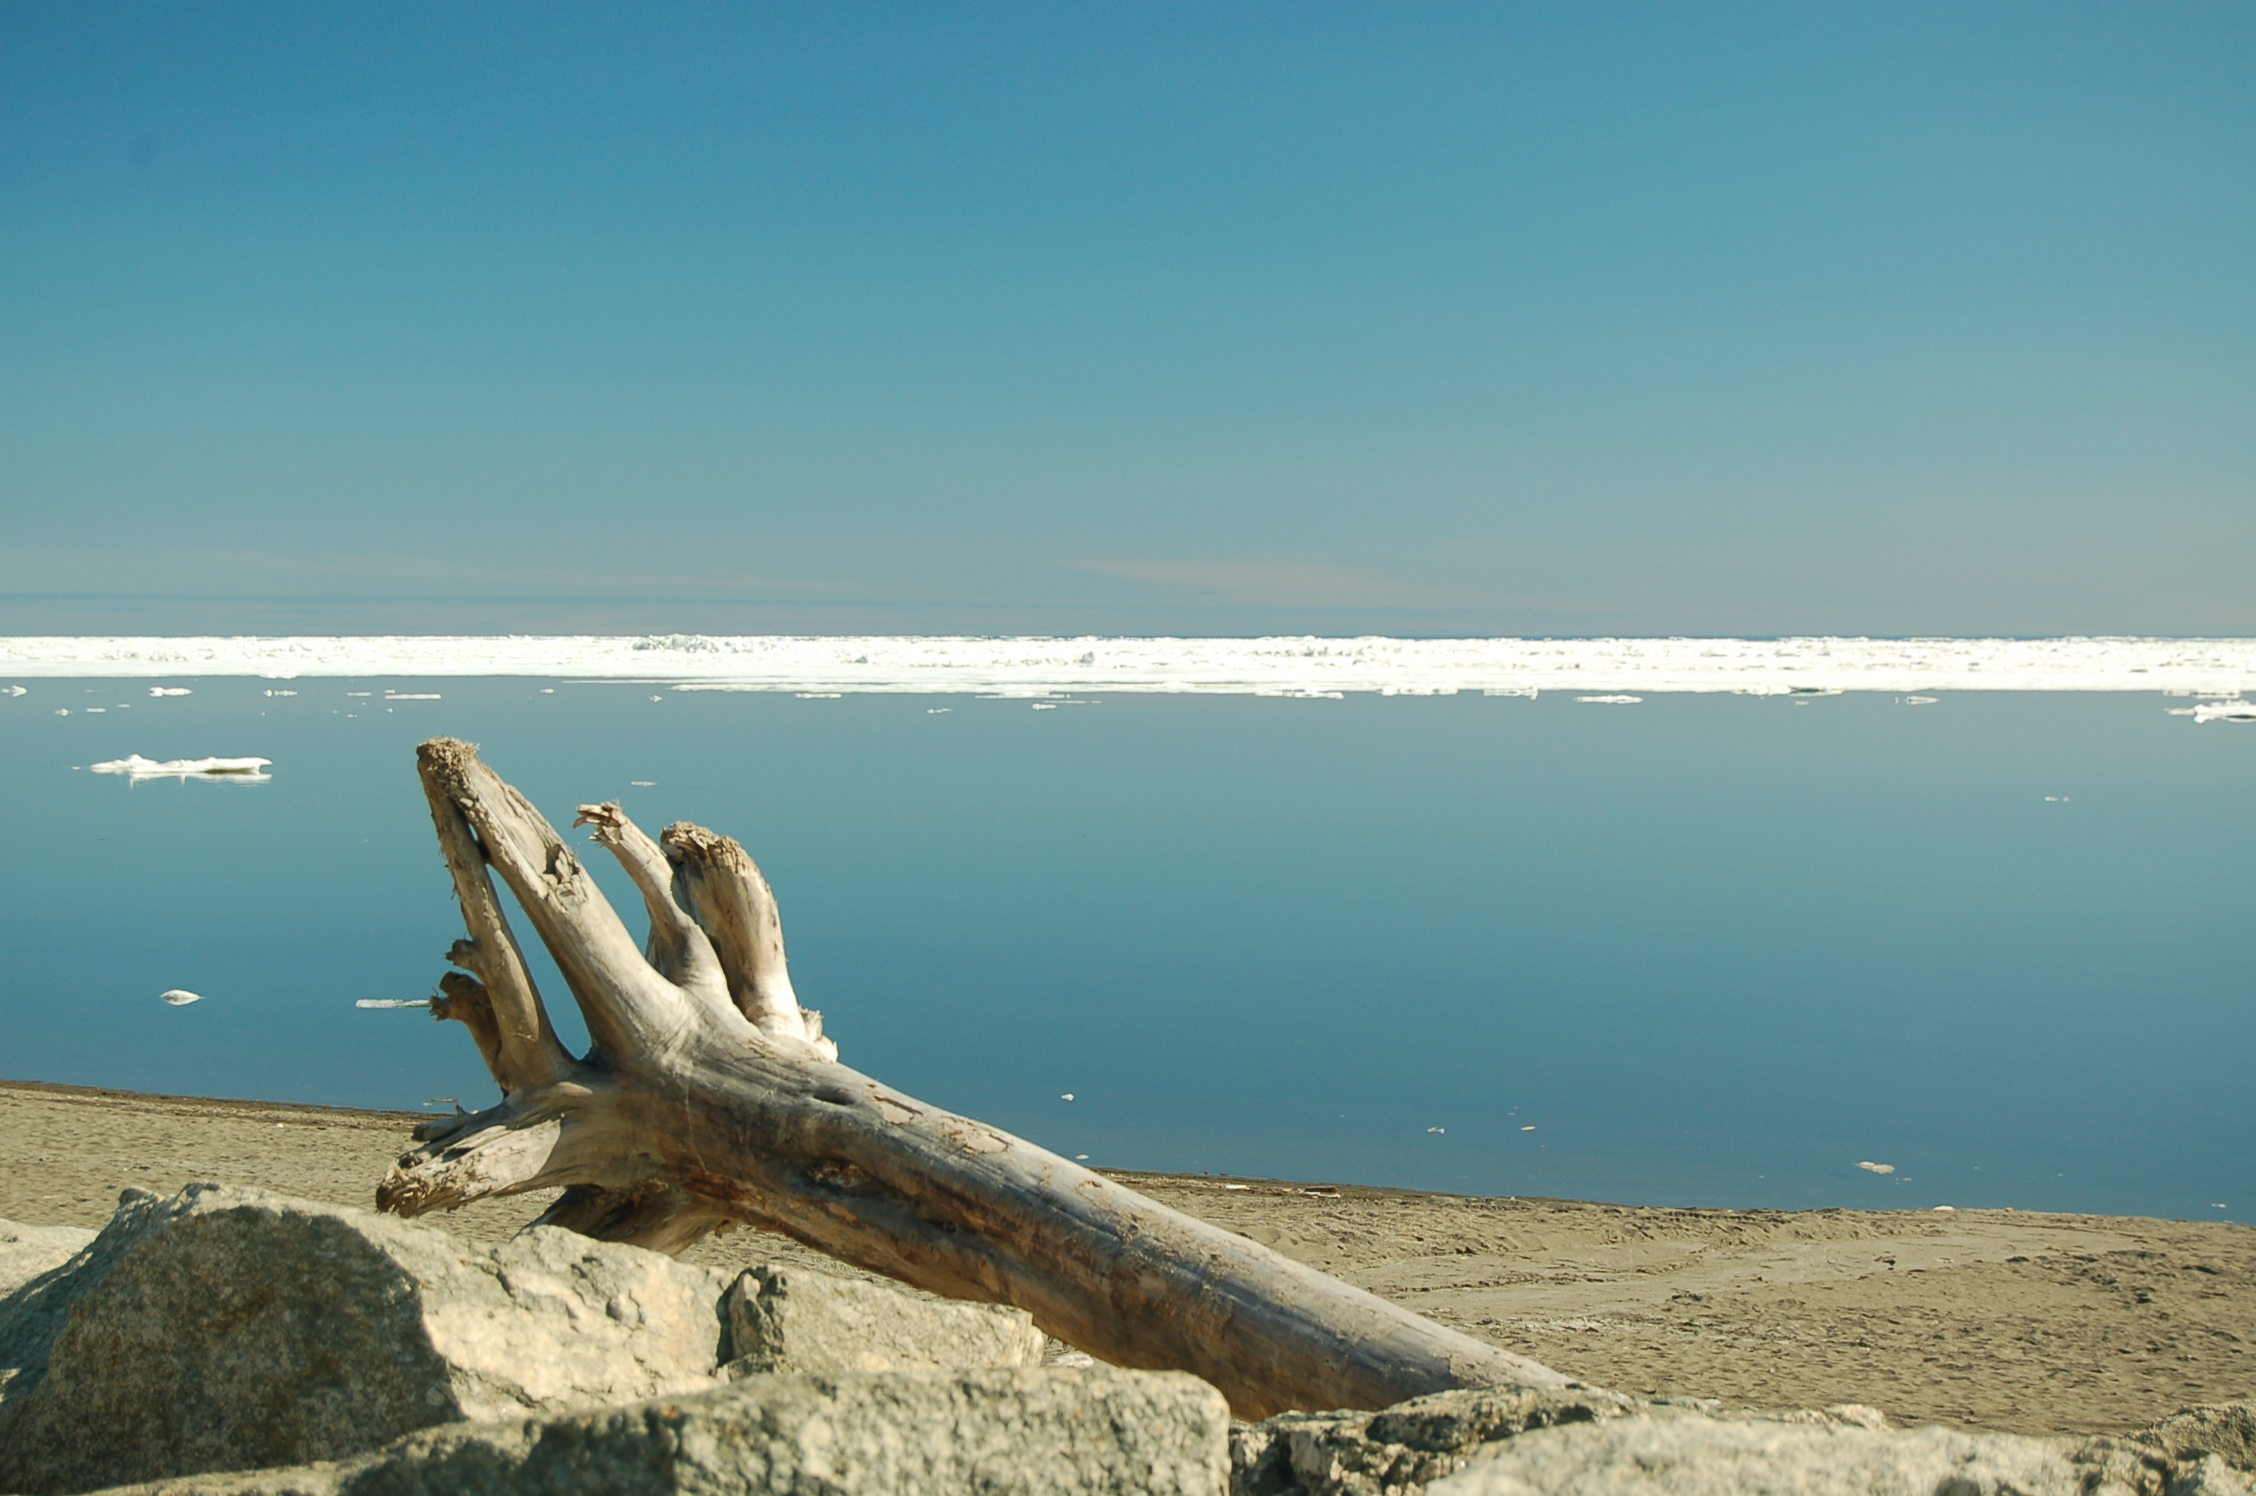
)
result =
(1023, 668)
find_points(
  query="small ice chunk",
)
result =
(2224, 711)
(809, 696)
(281, 693)
(179, 998)
(174, 691)
(1045, 706)
(1947, 1208)
(1237, 1186)
(1614, 700)
(241, 770)
(96, 709)
(1081, 1158)
(1437, 1129)
(392, 1002)
(1529, 1128)
(62, 711)
(13, 691)
(1921, 700)
(1872, 1168)
(643, 784)
(930, 711)
(413, 696)
(1068, 1096)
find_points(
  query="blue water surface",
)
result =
(1702, 950)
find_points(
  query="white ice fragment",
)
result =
(179, 998)
(97, 710)
(62, 711)
(1068, 1096)
(810, 696)
(643, 784)
(392, 1002)
(1870, 1167)
(360, 693)
(1946, 1208)
(239, 770)
(1921, 700)
(1612, 700)
(173, 691)
(1045, 706)
(938, 711)
(1081, 1158)
(281, 693)
(1529, 1128)
(412, 696)
(1437, 1129)
(1237, 1186)
(13, 691)
(2224, 711)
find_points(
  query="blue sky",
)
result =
(1417, 319)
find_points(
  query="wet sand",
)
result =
(1980, 1319)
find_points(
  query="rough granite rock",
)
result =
(225, 1329)
(1693, 1456)
(1010, 1432)
(793, 1320)
(28, 1251)
(1399, 1451)
(2226, 1430)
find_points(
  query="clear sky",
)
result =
(1570, 319)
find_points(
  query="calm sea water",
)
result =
(1703, 950)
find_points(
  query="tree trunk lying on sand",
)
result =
(710, 1097)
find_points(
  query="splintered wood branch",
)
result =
(526, 1050)
(708, 1102)
(722, 888)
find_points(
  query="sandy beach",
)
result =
(2024, 1322)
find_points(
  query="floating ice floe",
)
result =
(392, 1002)
(1437, 1129)
(1068, 1096)
(1615, 699)
(180, 998)
(2224, 711)
(1872, 1168)
(1921, 700)
(642, 784)
(235, 770)
(171, 691)
(13, 691)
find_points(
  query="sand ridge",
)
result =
(2030, 1323)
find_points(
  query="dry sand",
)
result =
(1980, 1319)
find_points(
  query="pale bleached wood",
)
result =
(689, 1115)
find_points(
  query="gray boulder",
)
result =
(230, 1328)
(1014, 1432)
(789, 1319)
(28, 1251)
(1692, 1456)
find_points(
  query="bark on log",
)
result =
(709, 1097)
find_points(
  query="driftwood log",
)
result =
(709, 1097)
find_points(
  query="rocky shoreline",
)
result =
(2074, 1328)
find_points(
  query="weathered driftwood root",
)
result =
(710, 1097)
